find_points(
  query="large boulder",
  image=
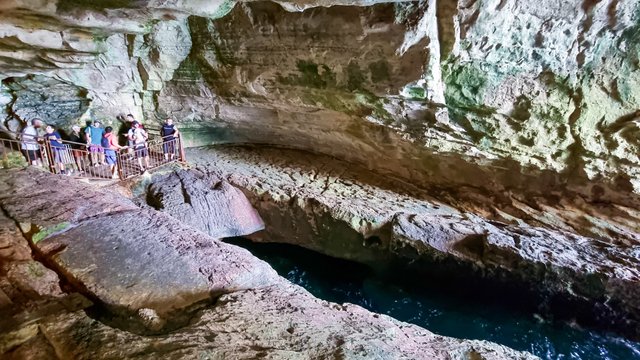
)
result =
(213, 206)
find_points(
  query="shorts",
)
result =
(110, 156)
(57, 155)
(169, 147)
(31, 155)
(141, 151)
(96, 149)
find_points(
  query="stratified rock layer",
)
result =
(505, 96)
(142, 262)
(342, 211)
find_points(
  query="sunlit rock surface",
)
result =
(103, 255)
(501, 95)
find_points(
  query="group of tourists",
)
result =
(101, 144)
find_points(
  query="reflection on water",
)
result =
(442, 313)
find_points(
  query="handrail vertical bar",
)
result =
(183, 158)
(119, 165)
(50, 157)
(4, 154)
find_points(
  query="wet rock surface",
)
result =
(342, 211)
(99, 251)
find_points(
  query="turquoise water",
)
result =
(446, 313)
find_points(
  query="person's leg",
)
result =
(165, 150)
(57, 159)
(77, 156)
(38, 157)
(27, 155)
(172, 148)
(93, 155)
(139, 155)
(32, 157)
(110, 156)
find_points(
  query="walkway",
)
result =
(77, 162)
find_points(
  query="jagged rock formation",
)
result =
(255, 314)
(499, 95)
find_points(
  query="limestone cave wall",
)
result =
(499, 94)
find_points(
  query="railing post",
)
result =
(50, 158)
(183, 158)
(119, 165)
(5, 161)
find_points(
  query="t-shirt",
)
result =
(76, 139)
(95, 134)
(112, 141)
(167, 131)
(138, 136)
(54, 139)
(29, 138)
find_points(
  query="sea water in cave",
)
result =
(458, 314)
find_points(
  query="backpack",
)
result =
(105, 142)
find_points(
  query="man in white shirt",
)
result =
(138, 137)
(29, 142)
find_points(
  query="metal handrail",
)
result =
(87, 160)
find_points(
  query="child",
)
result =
(55, 140)
(110, 145)
(139, 138)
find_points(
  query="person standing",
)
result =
(94, 134)
(77, 139)
(111, 146)
(29, 142)
(139, 138)
(169, 133)
(129, 121)
(57, 148)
